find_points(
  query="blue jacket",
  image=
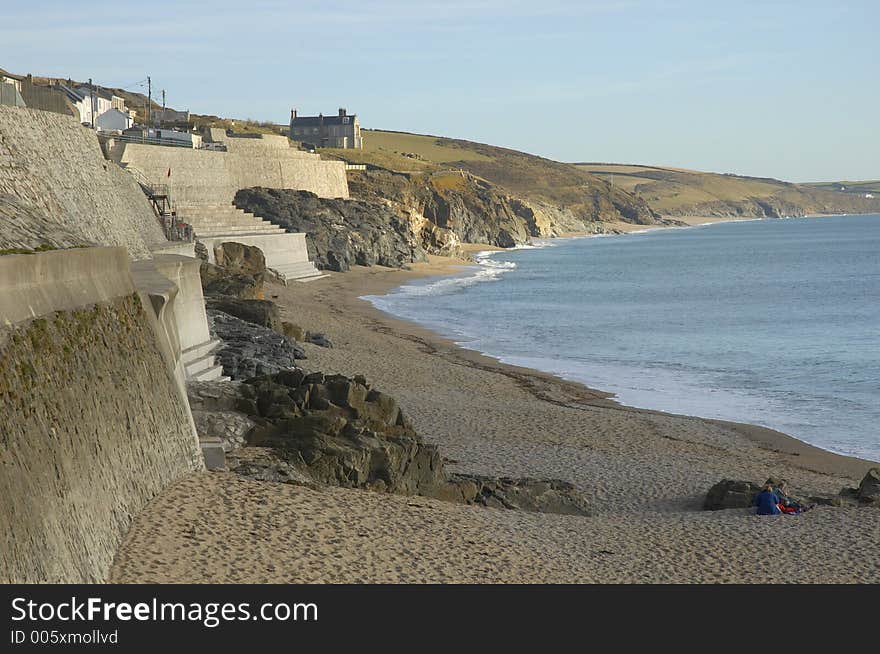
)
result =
(766, 502)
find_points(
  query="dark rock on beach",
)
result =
(339, 233)
(239, 271)
(314, 429)
(731, 494)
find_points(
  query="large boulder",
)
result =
(869, 489)
(240, 258)
(218, 281)
(239, 271)
(731, 494)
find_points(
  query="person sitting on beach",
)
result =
(767, 501)
(786, 503)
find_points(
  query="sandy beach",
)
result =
(644, 473)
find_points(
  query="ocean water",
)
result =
(771, 322)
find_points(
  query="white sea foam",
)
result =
(485, 269)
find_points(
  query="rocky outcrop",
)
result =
(249, 350)
(731, 494)
(315, 430)
(475, 210)
(339, 233)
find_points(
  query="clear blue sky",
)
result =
(781, 89)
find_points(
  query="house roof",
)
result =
(6, 73)
(315, 121)
(101, 92)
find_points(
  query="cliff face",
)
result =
(797, 202)
(343, 233)
(479, 211)
(473, 209)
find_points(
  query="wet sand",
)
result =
(645, 474)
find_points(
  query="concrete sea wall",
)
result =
(213, 177)
(53, 167)
(94, 422)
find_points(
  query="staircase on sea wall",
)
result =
(200, 364)
(286, 253)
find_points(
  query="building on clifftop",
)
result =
(342, 131)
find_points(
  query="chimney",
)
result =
(342, 111)
(293, 114)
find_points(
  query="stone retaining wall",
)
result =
(93, 419)
(213, 177)
(54, 168)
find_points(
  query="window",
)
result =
(345, 120)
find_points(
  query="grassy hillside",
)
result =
(872, 187)
(675, 191)
(563, 187)
(668, 189)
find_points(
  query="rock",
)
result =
(867, 494)
(539, 495)
(314, 429)
(218, 281)
(240, 258)
(213, 395)
(869, 489)
(846, 497)
(339, 233)
(264, 313)
(457, 203)
(239, 271)
(249, 350)
(292, 331)
(730, 494)
(319, 339)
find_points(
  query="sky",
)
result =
(778, 89)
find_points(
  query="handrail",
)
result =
(160, 198)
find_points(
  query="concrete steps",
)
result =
(299, 271)
(199, 363)
(285, 252)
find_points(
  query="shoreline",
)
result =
(643, 473)
(772, 439)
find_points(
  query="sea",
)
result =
(773, 322)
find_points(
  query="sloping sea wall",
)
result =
(94, 422)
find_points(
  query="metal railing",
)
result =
(160, 198)
(127, 138)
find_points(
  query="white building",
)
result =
(94, 102)
(113, 119)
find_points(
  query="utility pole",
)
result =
(149, 98)
(163, 105)
(92, 104)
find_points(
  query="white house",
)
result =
(93, 102)
(113, 120)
